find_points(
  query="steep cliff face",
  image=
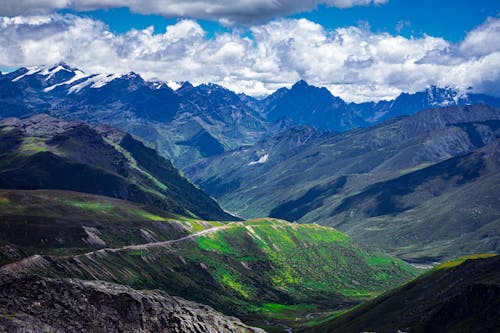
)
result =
(35, 304)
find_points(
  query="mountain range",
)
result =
(192, 123)
(418, 186)
(294, 212)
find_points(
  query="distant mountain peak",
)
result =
(64, 65)
(301, 83)
(303, 86)
(212, 86)
(132, 75)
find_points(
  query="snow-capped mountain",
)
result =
(185, 122)
(66, 79)
(408, 104)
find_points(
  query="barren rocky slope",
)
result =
(36, 304)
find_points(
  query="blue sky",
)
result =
(361, 50)
(450, 19)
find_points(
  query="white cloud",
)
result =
(31, 7)
(225, 11)
(483, 40)
(354, 63)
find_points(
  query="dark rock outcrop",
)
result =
(36, 304)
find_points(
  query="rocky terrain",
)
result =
(32, 304)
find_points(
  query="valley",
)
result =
(393, 186)
(246, 269)
(137, 206)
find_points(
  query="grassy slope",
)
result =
(260, 269)
(458, 296)
(64, 222)
(44, 153)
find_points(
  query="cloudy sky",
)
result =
(359, 49)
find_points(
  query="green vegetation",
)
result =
(298, 254)
(215, 243)
(324, 318)
(92, 206)
(32, 145)
(136, 253)
(285, 312)
(462, 299)
(461, 260)
(150, 216)
(265, 269)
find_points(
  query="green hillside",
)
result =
(458, 296)
(63, 222)
(261, 270)
(41, 152)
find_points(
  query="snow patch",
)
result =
(174, 85)
(78, 76)
(31, 71)
(95, 81)
(261, 160)
(51, 73)
(157, 84)
(104, 80)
